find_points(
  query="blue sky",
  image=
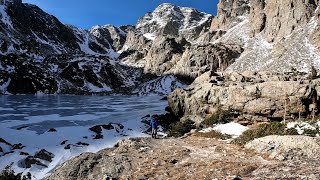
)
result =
(87, 13)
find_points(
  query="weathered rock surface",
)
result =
(283, 17)
(191, 157)
(273, 34)
(163, 53)
(230, 13)
(287, 147)
(41, 158)
(44, 155)
(177, 56)
(251, 96)
(198, 59)
(300, 152)
(116, 36)
(184, 51)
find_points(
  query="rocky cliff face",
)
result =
(177, 56)
(166, 41)
(273, 34)
(253, 97)
(230, 13)
(27, 29)
(116, 36)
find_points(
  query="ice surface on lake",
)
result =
(71, 116)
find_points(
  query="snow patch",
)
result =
(302, 126)
(85, 38)
(150, 36)
(238, 34)
(93, 88)
(40, 94)
(4, 16)
(113, 55)
(163, 85)
(233, 129)
(84, 46)
(137, 64)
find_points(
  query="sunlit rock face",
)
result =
(277, 36)
(251, 96)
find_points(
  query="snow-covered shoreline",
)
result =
(27, 119)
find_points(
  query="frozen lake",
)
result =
(27, 119)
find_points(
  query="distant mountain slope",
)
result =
(40, 54)
(26, 29)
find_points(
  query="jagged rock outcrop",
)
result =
(177, 56)
(161, 36)
(136, 41)
(275, 19)
(210, 36)
(283, 17)
(135, 49)
(230, 13)
(116, 36)
(163, 54)
(170, 20)
(26, 29)
(198, 59)
(250, 96)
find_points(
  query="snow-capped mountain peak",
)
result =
(168, 19)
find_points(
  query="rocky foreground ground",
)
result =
(193, 157)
